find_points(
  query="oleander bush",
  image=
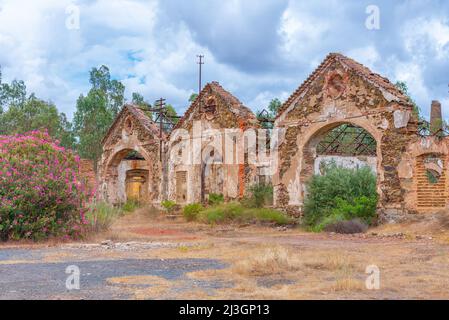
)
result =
(41, 192)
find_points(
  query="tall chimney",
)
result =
(436, 120)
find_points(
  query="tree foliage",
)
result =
(272, 110)
(402, 85)
(340, 194)
(96, 111)
(21, 113)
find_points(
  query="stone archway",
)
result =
(128, 177)
(301, 165)
(346, 143)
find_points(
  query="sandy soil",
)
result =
(259, 262)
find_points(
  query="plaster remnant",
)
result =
(401, 118)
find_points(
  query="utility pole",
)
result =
(200, 63)
(202, 168)
(160, 104)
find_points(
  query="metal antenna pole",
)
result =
(160, 105)
(200, 63)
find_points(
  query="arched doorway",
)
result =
(128, 177)
(212, 175)
(342, 143)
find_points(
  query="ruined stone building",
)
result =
(213, 111)
(342, 92)
(130, 166)
(343, 112)
(133, 167)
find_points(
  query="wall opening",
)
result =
(431, 181)
(128, 177)
(181, 186)
(346, 145)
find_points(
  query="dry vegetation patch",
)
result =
(330, 262)
(270, 261)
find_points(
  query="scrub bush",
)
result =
(261, 195)
(340, 194)
(191, 211)
(215, 199)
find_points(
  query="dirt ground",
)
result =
(146, 255)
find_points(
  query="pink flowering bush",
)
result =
(41, 193)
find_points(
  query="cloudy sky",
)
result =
(257, 49)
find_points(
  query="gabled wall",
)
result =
(325, 104)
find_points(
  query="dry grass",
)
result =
(301, 265)
(347, 284)
(271, 261)
(158, 286)
(331, 262)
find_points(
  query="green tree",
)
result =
(20, 114)
(11, 94)
(171, 113)
(36, 114)
(274, 107)
(139, 100)
(402, 85)
(113, 90)
(193, 97)
(96, 112)
(272, 110)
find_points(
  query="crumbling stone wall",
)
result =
(87, 172)
(215, 109)
(131, 131)
(421, 195)
(342, 91)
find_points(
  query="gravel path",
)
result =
(30, 279)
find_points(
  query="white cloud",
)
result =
(256, 51)
(297, 30)
(422, 35)
(368, 55)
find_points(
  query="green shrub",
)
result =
(363, 208)
(191, 211)
(215, 199)
(236, 212)
(331, 219)
(347, 226)
(130, 205)
(169, 205)
(222, 212)
(101, 215)
(340, 194)
(261, 195)
(268, 215)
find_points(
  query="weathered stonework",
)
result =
(343, 91)
(132, 131)
(411, 169)
(214, 109)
